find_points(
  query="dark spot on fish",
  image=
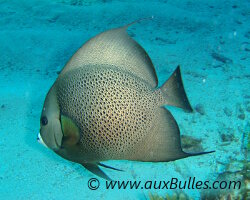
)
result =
(200, 109)
(221, 58)
(2, 106)
(234, 6)
(58, 72)
(246, 49)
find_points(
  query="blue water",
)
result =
(210, 40)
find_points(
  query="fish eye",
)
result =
(44, 120)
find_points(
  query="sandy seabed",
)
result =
(210, 40)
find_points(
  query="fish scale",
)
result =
(120, 100)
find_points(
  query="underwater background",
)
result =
(209, 39)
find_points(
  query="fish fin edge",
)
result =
(198, 154)
(174, 92)
(108, 167)
(96, 170)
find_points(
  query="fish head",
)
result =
(50, 125)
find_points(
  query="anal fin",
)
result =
(163, 144)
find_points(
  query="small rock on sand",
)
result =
(227, 111)
(200, 109)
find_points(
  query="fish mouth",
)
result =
(40, 140)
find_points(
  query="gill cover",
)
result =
(51, 133)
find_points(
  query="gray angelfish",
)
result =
(106, 105)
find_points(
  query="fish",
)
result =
(106, 104)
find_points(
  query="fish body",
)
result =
(106, 105)
(115, 111)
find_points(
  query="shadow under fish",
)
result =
(106, 105)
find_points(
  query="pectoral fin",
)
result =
(71, 134)
(96, 170)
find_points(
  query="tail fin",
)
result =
(174, 93)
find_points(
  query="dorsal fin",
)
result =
(115, 48)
